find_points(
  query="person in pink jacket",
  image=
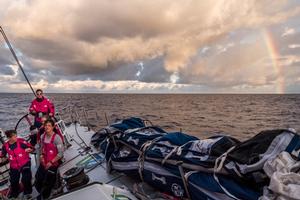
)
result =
(40, 107)
(17, 151)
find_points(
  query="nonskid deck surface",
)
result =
(97, 191)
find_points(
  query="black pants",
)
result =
(33, 139)
(45, 180)
(37, 124)
(26, 180)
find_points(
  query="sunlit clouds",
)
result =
(288, 31)
(216, 46)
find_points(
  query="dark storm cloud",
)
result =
(152, 71)
(6, 70)
(119, 20)
(49, 50)
(5, 55)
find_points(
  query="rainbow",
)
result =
(274, 56)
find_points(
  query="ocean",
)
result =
(201, 115)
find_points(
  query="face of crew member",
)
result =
(12, 139)
(39, 94)
(49, 128)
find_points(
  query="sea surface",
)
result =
(202, 115)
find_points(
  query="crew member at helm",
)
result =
(41, 106)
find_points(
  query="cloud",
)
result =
(117, 31)
(104, 40)
(114, 86)
(294, 46)
(98, 86)
(289, 60)
(244, 61)
(7, 70)
(288, 31)
(174, 78)
(5, 55)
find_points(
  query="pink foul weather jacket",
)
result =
(44, 106)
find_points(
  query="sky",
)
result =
(157, 46)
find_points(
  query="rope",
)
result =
(219, 163)
(184, 180)
(83, 142)
(141, 158)
(16, 58)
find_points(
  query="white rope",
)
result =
(218, 167)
